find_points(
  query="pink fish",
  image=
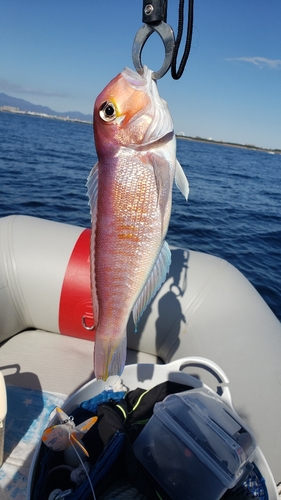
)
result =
(130, 194)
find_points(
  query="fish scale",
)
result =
(129, 231)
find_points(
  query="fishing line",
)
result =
(176, 74)
(85, 470)
(62, 494)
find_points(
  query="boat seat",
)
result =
(46, 361)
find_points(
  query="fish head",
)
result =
(129, 112)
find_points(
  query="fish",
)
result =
(130, 196)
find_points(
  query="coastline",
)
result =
(5, 109)
(229, 144)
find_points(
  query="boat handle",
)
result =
(210, 366)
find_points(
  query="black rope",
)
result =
(176, 74)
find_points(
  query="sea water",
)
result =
(234, 207)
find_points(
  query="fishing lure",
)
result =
(66, 433)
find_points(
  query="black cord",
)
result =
(176, 74)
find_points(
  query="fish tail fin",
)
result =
(118, 359)
(109, 359)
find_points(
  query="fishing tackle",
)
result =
(154, 17)
(59, 437)
(66, 434)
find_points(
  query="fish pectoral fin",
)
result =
(154, 282)
(181, 180)
(162, 173)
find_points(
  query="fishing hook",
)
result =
(154, 17)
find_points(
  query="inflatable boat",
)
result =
(206, 309)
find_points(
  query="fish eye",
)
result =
(107, 111)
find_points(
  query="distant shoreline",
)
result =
(4, 109)
(229, 144)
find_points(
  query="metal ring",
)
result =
(89, 328)
(167, 35)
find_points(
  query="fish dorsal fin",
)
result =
(154, 282)
(92, 186)
(181, 180)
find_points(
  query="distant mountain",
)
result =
(6, 100)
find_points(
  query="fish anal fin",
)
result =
(154, 282)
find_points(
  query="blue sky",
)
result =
(61, 53)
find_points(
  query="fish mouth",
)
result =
(161, 125)
(133, 78)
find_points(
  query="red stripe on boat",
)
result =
(75, 300)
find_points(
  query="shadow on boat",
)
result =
(24, 405)
(163, 316)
